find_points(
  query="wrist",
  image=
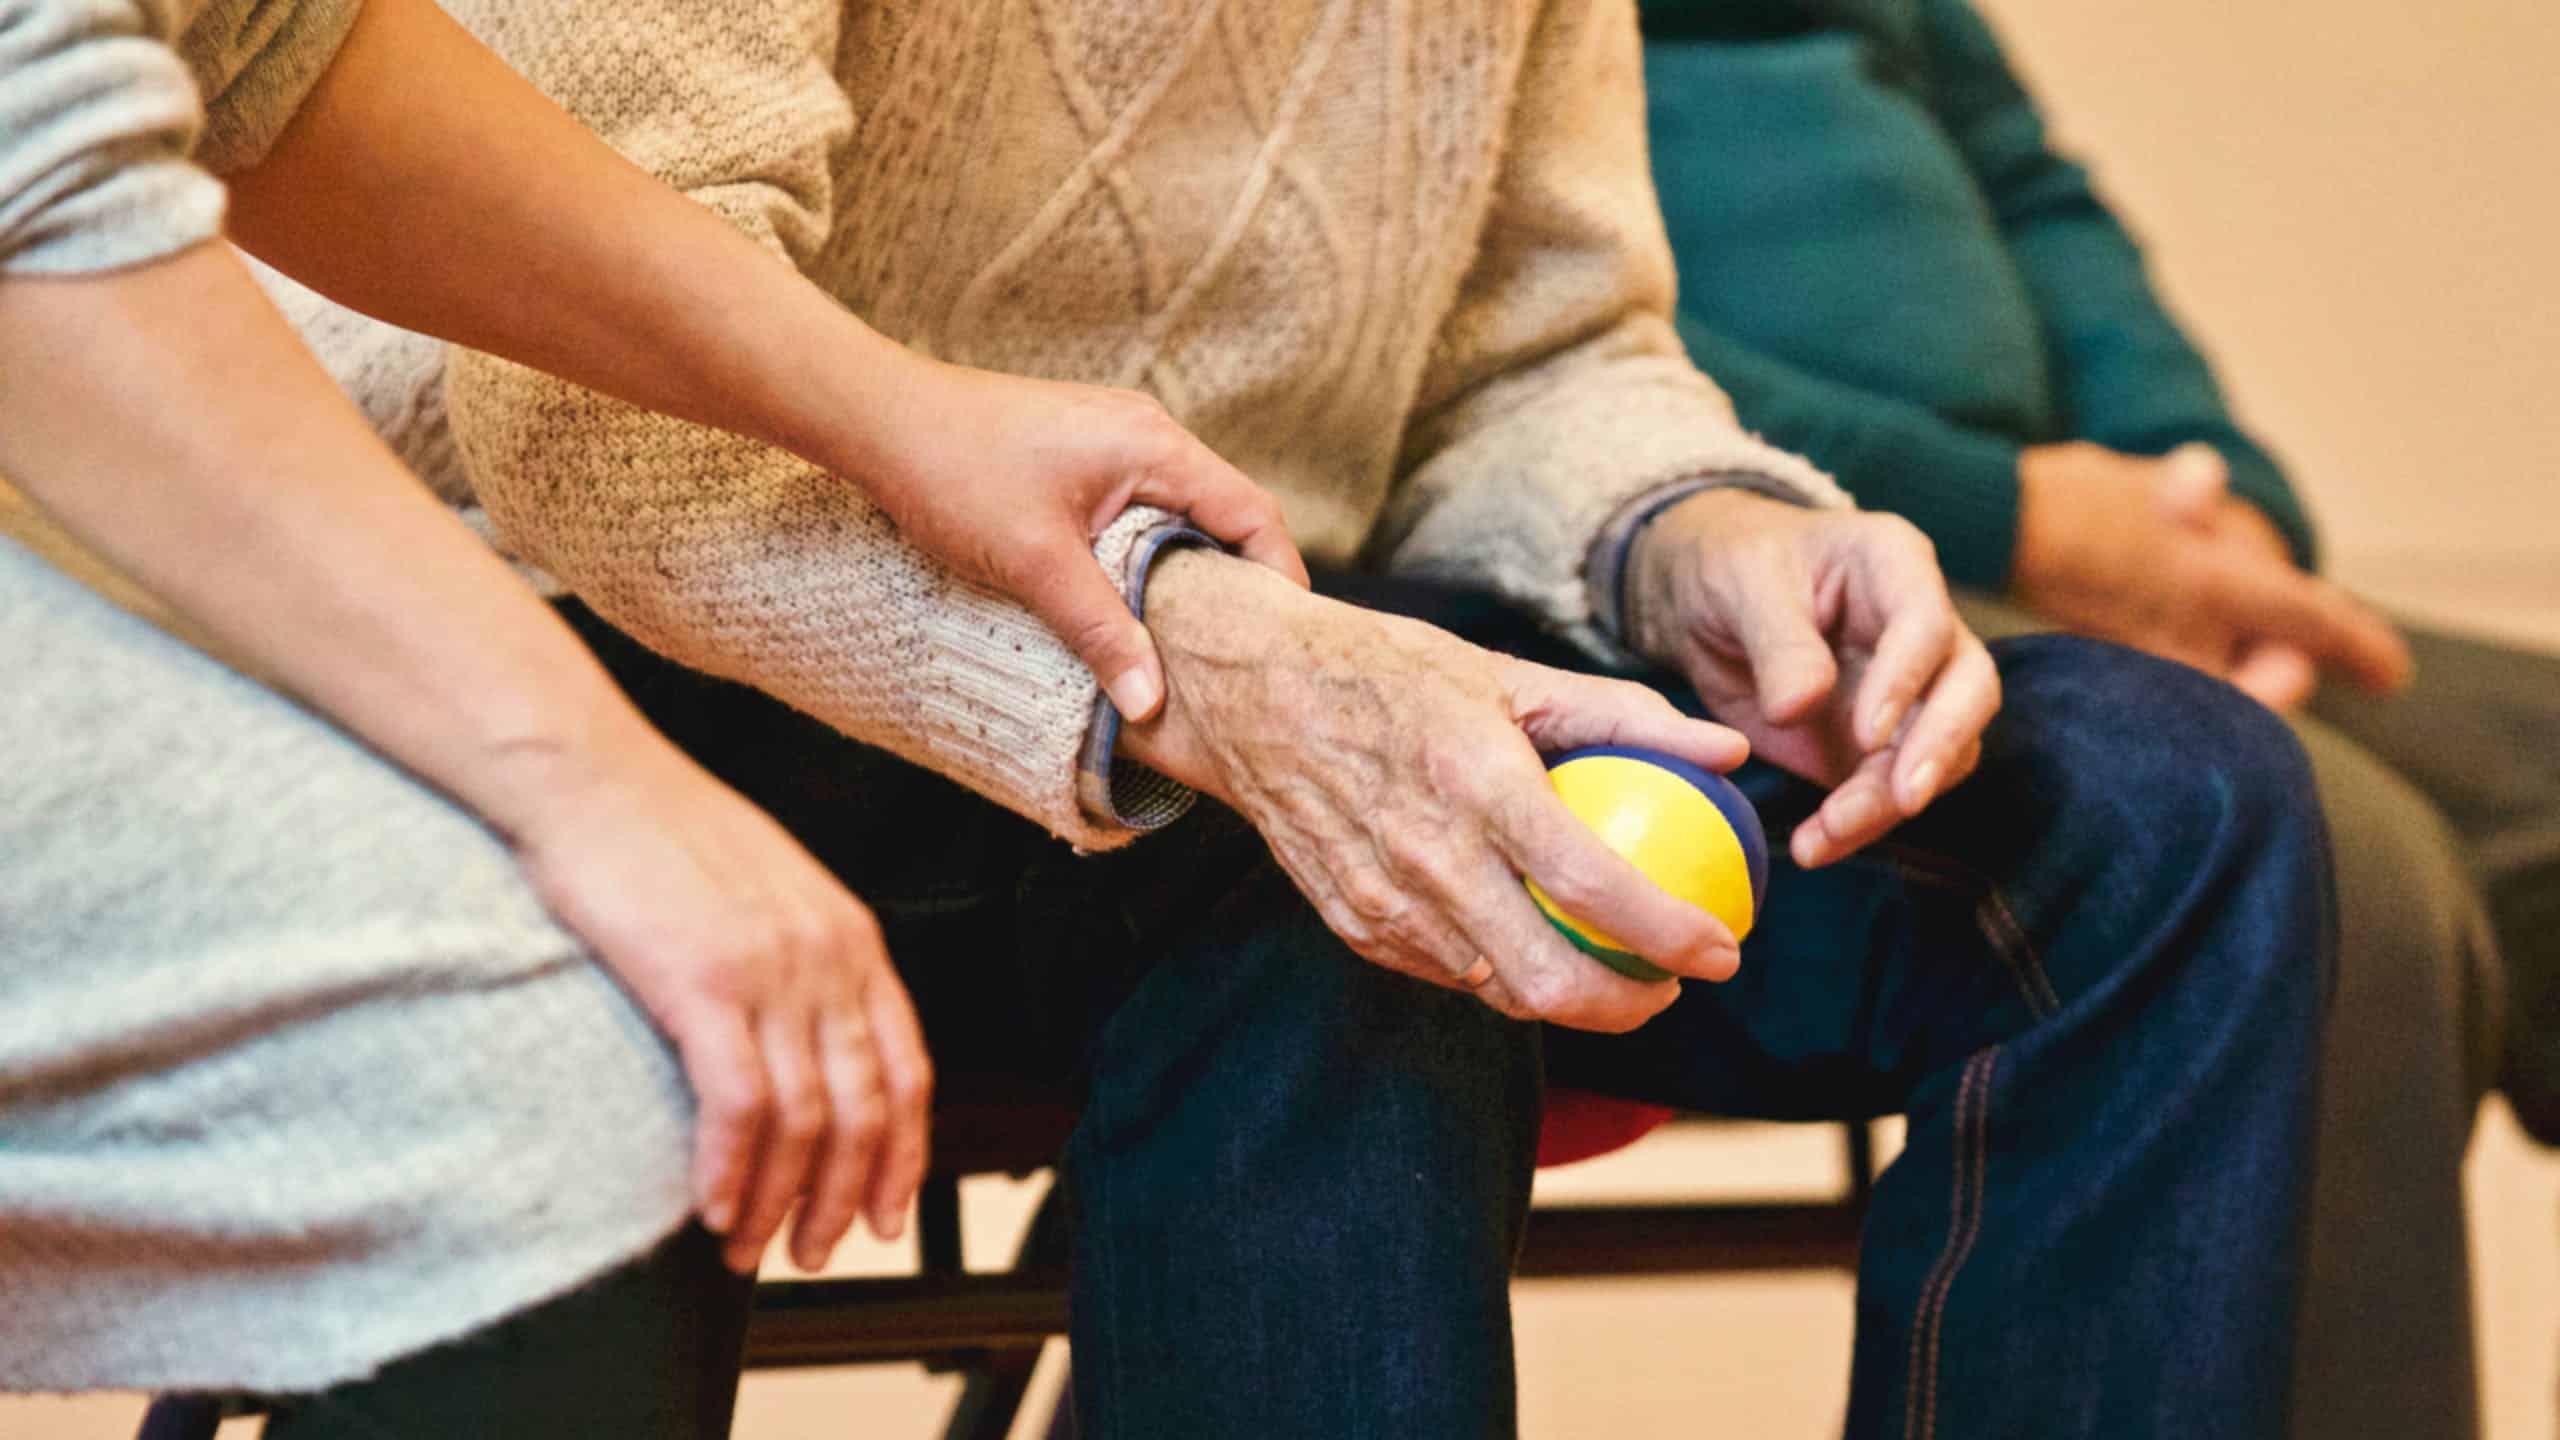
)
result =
(537, 780)
(1218, 622)
(1664, 551)
(848, 395)
(2046, 548)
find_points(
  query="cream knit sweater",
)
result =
(1399, 262)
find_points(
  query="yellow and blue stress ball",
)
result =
(1689, 830)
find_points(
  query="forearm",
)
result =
(469, 207)
(166, 416)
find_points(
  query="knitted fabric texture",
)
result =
(296, 1073)
(1400, 264)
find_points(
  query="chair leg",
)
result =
(997, 1381)
(181, 1417)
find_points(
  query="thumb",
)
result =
(1076, 600)
(2190, 482)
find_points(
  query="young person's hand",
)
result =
(771, 979)
(1394, 770)
(2156, 554)
(1828, 638)
(1007, 480)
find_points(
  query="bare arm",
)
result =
(426, 184)
(166, 415)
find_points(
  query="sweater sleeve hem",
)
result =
(144, 214)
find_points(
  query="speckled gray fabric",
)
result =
(296, 1075)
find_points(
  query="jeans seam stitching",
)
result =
(1972, 1156)
(2001, 927)
(1994, 918)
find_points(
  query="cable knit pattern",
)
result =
(1400, 263)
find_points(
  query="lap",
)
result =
(295, 1073)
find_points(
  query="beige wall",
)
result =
(2357, 205)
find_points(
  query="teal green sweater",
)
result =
(1889, 269)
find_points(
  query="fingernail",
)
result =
(1806, 846)
(1722, 959)
(719, 1215)
(1135, 692)
(1923, 786)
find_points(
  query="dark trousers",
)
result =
(2092, 977)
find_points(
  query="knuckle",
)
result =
(801, 1114)
(862, 1124)
(1544, 994)
(737, 1097)
(1372, 896)
(910, 1089)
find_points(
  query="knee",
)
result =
(2417, 964)
(2179, 762)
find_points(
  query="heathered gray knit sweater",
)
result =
(296, 1075)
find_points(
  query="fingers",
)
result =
(797, 1122)
(1858, 811)
(1916, 644)
(1960, 703)
(2279, 677)
(1559, 711)
(1792, 669)
(2324, 622)
(1538, 974)
(848, 1154)
(1217, 497)
(1077, 601)
(730, 1094)
(1543, 841)
(906, 1076)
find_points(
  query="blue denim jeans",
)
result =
(2092, 977)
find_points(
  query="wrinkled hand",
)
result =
(1395, 771)
(1828, 638)
(2158, 555)
(1008, 480)
(771, 979)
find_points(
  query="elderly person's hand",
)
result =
(1395, 771)
(2158, 555)
(1828, 638)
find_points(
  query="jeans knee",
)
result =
(2159, 804)
(2159, 746)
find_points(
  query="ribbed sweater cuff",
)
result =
(1111, 788)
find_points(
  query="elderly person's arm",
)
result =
(1395, 770)
(1566, 417)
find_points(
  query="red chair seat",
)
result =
(1581, 1125)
